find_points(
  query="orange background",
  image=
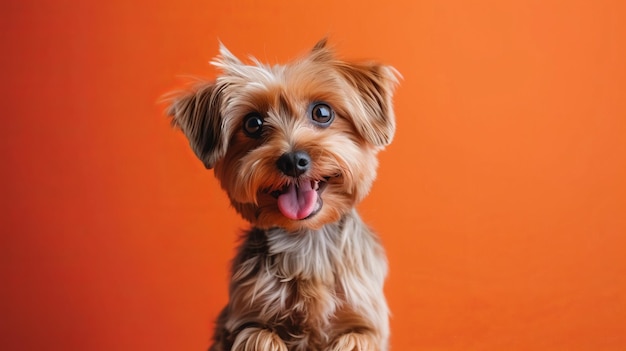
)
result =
(501, 202)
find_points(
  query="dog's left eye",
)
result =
(253, 125)
(322, 114)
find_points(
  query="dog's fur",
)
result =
(310, 280)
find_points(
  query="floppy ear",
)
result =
(375, 85)
(198, 115)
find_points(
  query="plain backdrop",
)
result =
(501, 202)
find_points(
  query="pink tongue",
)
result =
(298, 202)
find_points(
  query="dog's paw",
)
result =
(258, 339)
(354, 342)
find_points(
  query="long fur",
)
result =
(314, 283)
(310, 288)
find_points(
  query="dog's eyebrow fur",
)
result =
(285, 108)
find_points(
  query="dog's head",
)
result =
(295, 145)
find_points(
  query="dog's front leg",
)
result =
(258, 339)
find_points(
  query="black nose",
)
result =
(294, 163)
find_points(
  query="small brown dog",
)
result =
(295, 146)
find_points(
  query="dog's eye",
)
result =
(253, 125)
(322, 114)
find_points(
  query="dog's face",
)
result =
(294, 146)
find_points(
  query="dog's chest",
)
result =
(306, 269)
(309, 287)
(309, 309)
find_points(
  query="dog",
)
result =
(295, 148)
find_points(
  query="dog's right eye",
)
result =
(253, 125)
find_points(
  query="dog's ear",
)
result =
(375, 84)
(197, 113)
(321, 52)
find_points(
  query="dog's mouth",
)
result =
(300, 199)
